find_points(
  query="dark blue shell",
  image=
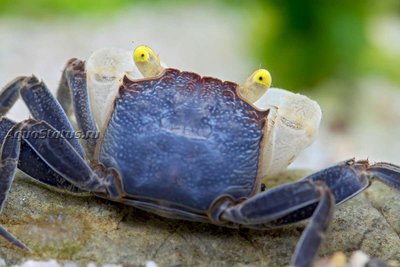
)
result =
(183, 140)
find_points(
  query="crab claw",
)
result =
(147, 61)
(105, 69)
(292, 125)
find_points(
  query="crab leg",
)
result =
(349, 178)
(345, 180)
(293, 202)
(286, 200)
(313, 235)
(57, 153)
(64, 94)
(314, 196)
(274, 204)
(31, 164)
(9, 95)
(43, 106)
(8, 160)
(387, 173)
(73, 91)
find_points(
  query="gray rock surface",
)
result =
(86, 229)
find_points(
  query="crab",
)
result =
(177, 144)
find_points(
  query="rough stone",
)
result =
(82, 229)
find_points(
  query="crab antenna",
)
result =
(147, 61)
(256, 85)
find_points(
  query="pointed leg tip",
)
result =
(20, 245)
(24, 247)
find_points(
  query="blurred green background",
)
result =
(343, 54)
(304, 43)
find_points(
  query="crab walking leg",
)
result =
(31, 164)
(5, 125)
(8, 165)
(57, 153)
(273, 204)
(284, 200)
(297, 201)
(387, 173)
(9, 95)
(73, 83)
(345, 180)
(349, 178)
(313, 235)
(12, 239)
(43, 106)
(61, 156)
(64, 94)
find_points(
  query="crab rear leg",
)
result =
(286, 201)
(345, 180)
(314, 196)
(349, 178)
(386, 173)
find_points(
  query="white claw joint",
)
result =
(292, 124)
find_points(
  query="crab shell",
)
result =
(180, 141)
(183, 139)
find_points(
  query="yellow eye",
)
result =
(262, 77)
(141, 54)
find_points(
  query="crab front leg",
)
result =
(64, 95)
(314, 196)
(73, 96)
(87, 90)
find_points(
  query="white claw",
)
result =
(105, 69)
(292, 126)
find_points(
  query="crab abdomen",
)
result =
(183, 139)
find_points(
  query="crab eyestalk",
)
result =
(147, 61)
(256, 85)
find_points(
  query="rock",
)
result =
(86, 229)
